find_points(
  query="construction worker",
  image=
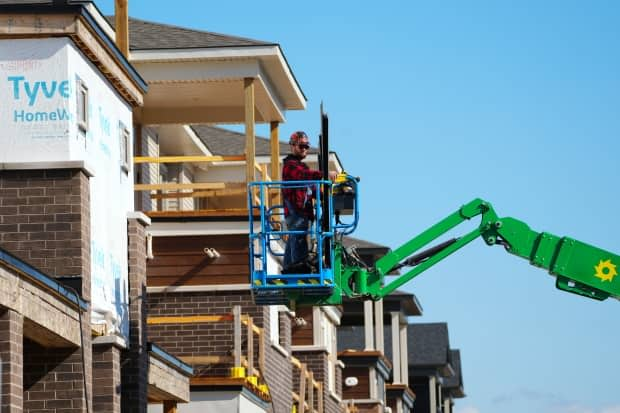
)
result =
(298, 206)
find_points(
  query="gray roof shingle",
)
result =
(455, 381)
(350, 338)
(224, 142)
(145, 35)
(428, 344)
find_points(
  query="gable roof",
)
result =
(428, 346)
(145, 35)
(454, 384)
(224, 142)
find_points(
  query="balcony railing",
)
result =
(197, 195)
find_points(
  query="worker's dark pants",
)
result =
(297, 244)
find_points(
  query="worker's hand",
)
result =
(332, 175)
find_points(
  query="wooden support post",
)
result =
(311, 391)
(250, 142)
(396, 356)
(404, 358)
(170, 406)
(275, 150)
(368, 326)
(121, 26)
(379, 342)
(237, 335)
(276, 171)
(250, 332)
(320, 395)
(302, 389)
(261, 352)
(372, 384)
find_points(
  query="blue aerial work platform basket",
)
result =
(267, 242)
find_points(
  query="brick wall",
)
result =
(316, 360)
(216, 339)
(11, 347)
(279, 374)
(45, 220)
(106, 378)
(53, 379)
(135, 360)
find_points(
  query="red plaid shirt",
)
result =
(299, 198)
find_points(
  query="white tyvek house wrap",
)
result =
(31, 132)
(34, 100)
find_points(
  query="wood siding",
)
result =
(302, 335)
(182, 261)
(362, 389)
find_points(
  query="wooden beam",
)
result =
(250, 340)
(121, 26)
(188, 158)
(189, 319)
(170, 406)
(201, 194)
(230, 212)
(173, 186)
(13, 24)
(311, 390)
(237, 335)
(261, 352)
(206, 359)
(189, 115)
(274, 137)
(320, 406)
(245, 320)
(250, 140)
(295, 362)
(302, 388)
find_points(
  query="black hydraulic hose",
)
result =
(426, 254)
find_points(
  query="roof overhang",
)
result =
(83, 25)
(168, 377)
(207, 85)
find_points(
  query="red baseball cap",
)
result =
(297, 136)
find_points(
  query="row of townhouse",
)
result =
(124, 234)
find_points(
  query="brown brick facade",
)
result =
(279, 371)
(317, 361)
(106, 378)
(45, 220)
(216, 339)
(135, 359)
(11, 354)
(53, 379)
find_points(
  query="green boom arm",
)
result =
(579, 268)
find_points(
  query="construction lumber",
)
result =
(189, 319)
(189, 158)
(237, 335)
(174, 186)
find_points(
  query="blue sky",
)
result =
(435, 103)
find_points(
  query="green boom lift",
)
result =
(336, 272)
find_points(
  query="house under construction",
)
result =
(124, 234)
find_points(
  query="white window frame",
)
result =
(275, 334)
(125, 147)
(81, 102)
(328, 340)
